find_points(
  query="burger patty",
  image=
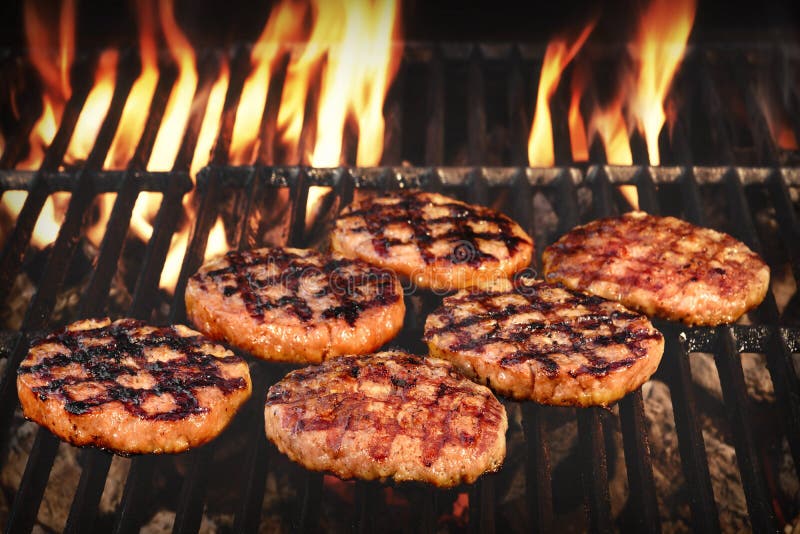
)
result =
(529, 339)
(131, 388)
(435, 241)
(387, 415)
(661, 266)
(295, 305)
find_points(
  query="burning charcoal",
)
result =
(667, 472)
(727, 484)
(163, 520)
(19, 298)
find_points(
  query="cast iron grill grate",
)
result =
(514, 190)
(267, 205)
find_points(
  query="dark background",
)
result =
(220, 23)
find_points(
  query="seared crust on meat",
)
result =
(529, 339)
(387, 415)
(436, 241)
(131, 388)
(295, 305)
(661, 266)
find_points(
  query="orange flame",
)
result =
(168, 139)
(284, 24)
(356, 79)
(51, 52)
(558, 54)
(94, 109)
(661, 40)
(211, 121)
(134, 114)
(302, 67)
(202, 153)
(577, 128)
(54, 71)
(774, 111)
(351, 48)
(609, 124)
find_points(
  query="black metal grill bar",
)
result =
(538, 477)
(191, 500)
(705, 516)
(31, 490)
(141, 470)
(779, 359)
(137, 485)
(731, 377)
(14, 248)
(102, 181)
(594, 469)
(393, 129)
(310, 493)
(476, 110)
(434, 129)
(519, 123)
(254, 468)
(93, 475)
(27, 109)
(521, 183)
(759, 129)
(269, 122)
(641, 491)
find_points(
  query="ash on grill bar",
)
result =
(125, 164)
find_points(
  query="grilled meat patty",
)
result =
(130, 387)
(387, 415)
(436, 241)
(295, 305)
(529, 339)
(661, 266)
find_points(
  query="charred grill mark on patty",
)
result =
(107, 353)
(585, 333)
(530, 339)
(661, 266)
(407, 208)
(385, 396)
(353, 285)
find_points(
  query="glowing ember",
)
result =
(661, 40)
(558, 54)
